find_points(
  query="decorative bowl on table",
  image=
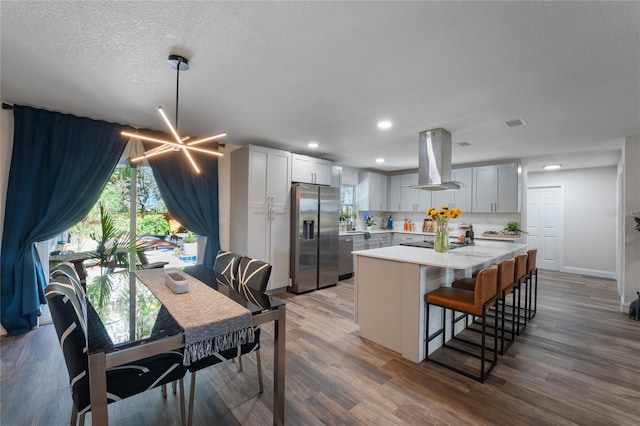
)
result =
(177, 282)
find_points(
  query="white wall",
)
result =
(590, 218)
(224, 195)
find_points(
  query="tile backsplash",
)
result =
(481, 222)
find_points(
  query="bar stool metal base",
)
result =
(487, 365)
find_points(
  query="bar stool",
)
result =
(505, 286)
(476, 303)
(532, 270)
(520, 279)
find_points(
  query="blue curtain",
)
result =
(191, 198)
(59, 165)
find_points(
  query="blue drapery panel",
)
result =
(60, 164)
(191, 198)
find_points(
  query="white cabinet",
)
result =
(394, 193)
(379, 240)
(260, 208)
(402, 198)
(399, 238)
(495, 188)
(336, 177)
(359, 242)
(310, 170)
(413, 200)
(372, 192)
(459, 198)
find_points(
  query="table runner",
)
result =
(211, 321)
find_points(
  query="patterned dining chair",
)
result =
(123, 381)
(251, 273)
(65, 271)
(226, 265)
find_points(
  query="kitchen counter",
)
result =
(463, 257)
(390, 284)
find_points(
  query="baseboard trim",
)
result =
(590, 272)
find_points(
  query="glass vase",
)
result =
(441, 243)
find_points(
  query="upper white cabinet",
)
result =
(260, 209)
(402, 198)
(413, 200)
(495, 188)
(459, 198)
(394, 193)
(372, 192)
(310, 170)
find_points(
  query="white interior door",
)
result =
(545, 225)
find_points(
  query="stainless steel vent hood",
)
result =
(434, 161)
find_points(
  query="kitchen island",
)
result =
(390, 284)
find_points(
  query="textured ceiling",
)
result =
(283, 74)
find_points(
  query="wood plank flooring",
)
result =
(578, 362)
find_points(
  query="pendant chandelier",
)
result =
(180, 143)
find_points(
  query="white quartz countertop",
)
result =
(459, 258)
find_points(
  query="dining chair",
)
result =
(66, 271)
(123, 381)
(226, 265)
(253, 274)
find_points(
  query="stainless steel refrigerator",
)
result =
(314, 237)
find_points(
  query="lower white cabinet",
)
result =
(399, 238)
(377, 240)
(358, 242)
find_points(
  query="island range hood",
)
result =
(434, 161)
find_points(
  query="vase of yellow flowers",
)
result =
(441, 217)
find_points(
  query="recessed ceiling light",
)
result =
(313, 144)
(552, 166)
(379, 160)
(384, 124)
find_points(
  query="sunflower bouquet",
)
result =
(444, 213)
(441, 216)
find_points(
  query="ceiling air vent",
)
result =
(463, 144)
(515, 123)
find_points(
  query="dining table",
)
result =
(128, 322)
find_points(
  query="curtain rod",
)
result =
(7, 106)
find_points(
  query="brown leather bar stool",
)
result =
(505, 286)
(532, 270)
(476, 303)
(520, 279)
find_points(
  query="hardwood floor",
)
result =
(578, 362)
